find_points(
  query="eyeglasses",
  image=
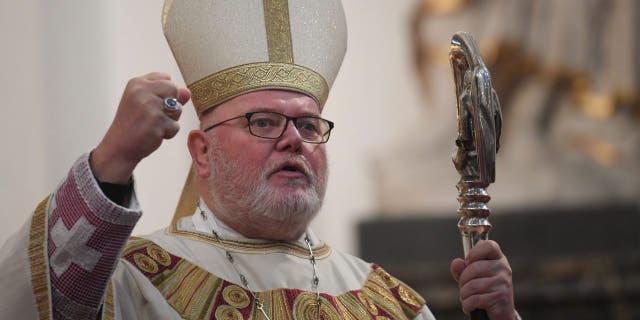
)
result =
(271, 125)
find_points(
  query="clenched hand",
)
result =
(140, 125)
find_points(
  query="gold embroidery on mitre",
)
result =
(158, 254)
(226, 312)
(229, 83)
(145, 263)
(235, 296)
(276, 20)
(305, 307)
(38, 260)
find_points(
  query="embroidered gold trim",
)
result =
(198, 294)
(226, 312)
(383, 298)
(305, 306)
(109, 302)
(276, 20)
(352, 308)
(389, 281)
(243, 247)
(158, 254)
(406, 298)
(145, 263)
(277, 303)
(229, 83)
(38, 259)
(189, 289)
(409, 296)
(236, 297)
(365, 300)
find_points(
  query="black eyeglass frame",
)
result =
(248, 116)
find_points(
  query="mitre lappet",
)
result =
(227, 48)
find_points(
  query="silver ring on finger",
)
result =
(171, 104)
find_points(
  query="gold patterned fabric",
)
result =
(197, 294)
(276, 13)
(38, 260)
(108, 312)
(238, 80)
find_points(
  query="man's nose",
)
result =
(290, 139)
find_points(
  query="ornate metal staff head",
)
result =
(478, 140)
(479, 115)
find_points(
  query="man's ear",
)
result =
(198, 143)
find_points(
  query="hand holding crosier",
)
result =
(485, 281)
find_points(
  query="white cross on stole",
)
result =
(71, 246)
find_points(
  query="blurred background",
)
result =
(566, 200)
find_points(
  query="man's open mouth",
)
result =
(291, 167)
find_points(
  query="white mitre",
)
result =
(225, 48)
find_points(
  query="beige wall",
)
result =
(22, 132)
(64, 65)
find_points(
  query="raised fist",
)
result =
(141, 123)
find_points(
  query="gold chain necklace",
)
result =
(315, 280)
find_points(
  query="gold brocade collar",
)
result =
(197, 228)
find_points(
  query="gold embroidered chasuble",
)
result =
(197, 294)
(183, 271)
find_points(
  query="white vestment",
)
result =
(69, 262)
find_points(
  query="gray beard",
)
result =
(295, 208)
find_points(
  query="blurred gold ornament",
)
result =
(594, 105)
(598, 149)
(443, 6)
